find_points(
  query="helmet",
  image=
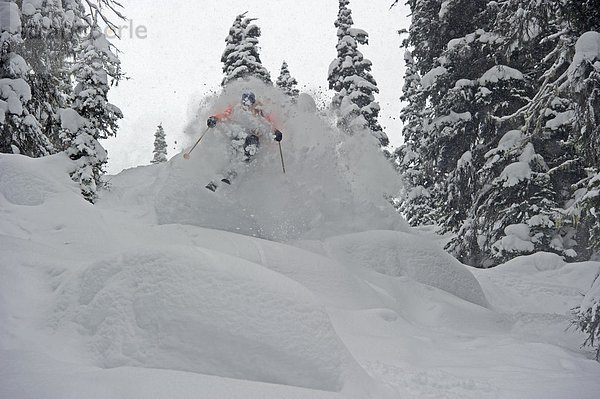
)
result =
(248, 98)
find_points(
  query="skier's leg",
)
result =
(251, 145)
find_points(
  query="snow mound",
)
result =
(538, 262)
(401, 254)
(334, 183)
(30, 182)
(204, 312)
(332, 282)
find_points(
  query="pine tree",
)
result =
(350, 77)
(584, 89)
(491, 71)
(96, 64)
(416, 200)
(50, 34)
(19, 129)
(286, 82)
(241, 56)
(587, 317)
(160, 146)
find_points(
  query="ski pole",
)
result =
(187, 154)
(281, 155)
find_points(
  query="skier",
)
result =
(245, 142)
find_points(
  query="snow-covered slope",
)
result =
(266, 289)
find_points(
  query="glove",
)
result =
(277, 135)
(211, 122)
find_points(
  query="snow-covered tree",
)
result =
(96, 67)
(160, 146)
(416, 201)
(19, 130)
(490, 72)
(50, 34)
(350, 77)
(241, 56)
(286, 82)
(587, 317)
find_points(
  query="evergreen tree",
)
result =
(350, 77)
(492, 71)
(286, 82)
(584, 88)
(50, 34)
(19, 129)
(415, 202)
(587, 317)
(241, 56)
(96, 64)
(160, 146)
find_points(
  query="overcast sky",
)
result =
(174, 60)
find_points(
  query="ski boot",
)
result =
(211, 186)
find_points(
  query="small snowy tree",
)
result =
(350, 77)
(241, 56)
(96, 64)
(286, 82)
(587, 317)
(160, 146)
(89, 156)
(415, 202)
(19, 130)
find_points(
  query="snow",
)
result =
(432, 76)
(207, 307)
(591, 300)
(498, 73)
(71, 120)
(511, 139)
(30, 7)
(15, 88)
(561, 119)
(301, 285)
(10, 20)
(452, 118)
(401, 254)
(461, 83)
(353, 176)
(444, 8)
(514, 173)
(587, 50)
(517, 239)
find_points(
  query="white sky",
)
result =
(178, 61)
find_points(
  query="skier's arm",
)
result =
(212, 121)
(277, 135)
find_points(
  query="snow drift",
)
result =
(199, 310)
(401, 254)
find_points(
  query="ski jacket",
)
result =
(256, 110)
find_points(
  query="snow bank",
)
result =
(538, 262)
(538, 283)
(334, 183)
(204, 312)
(332, 282)
(30, 182)
(34, 376)
(401, 254)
